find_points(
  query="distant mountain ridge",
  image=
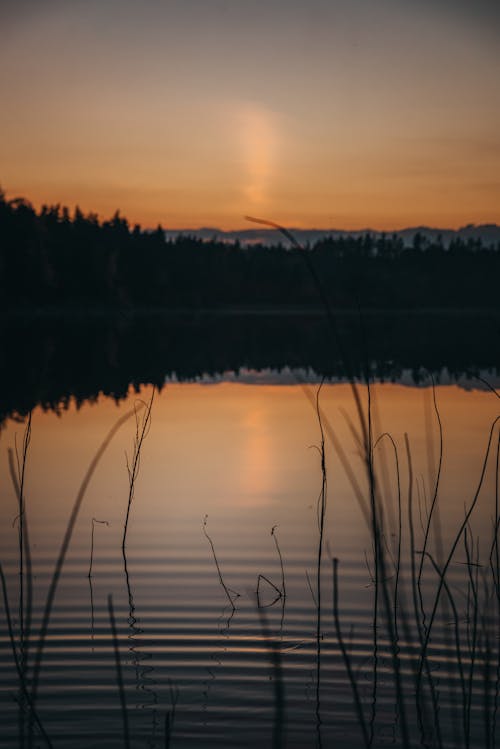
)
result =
(489, 234)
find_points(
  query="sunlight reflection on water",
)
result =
(244, 455)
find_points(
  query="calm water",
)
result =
(241, 462)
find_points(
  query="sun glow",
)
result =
(258, 133)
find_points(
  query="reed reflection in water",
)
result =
(378, 606)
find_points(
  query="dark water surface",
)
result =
(47, 358)
(230, 478)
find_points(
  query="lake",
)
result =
(275, 589)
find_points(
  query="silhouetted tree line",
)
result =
(52, 258)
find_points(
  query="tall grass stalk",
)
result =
(170, 714)
(64, 548)
(433, 506)
(23, 534)
(321, 512)
(119, 675)
(451, 553)
(99, 522)
(397, 563)
(19, 665)
(375, 514)
(332, 322)
(423, 663)
(231, 595)
(274, 652)
(17, 469)
(347, 661)
(283, 584)
(142, 427)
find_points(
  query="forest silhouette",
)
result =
(57, 259)
(99, 307)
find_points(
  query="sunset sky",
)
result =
(330, 113)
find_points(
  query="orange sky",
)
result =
(191, 114)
